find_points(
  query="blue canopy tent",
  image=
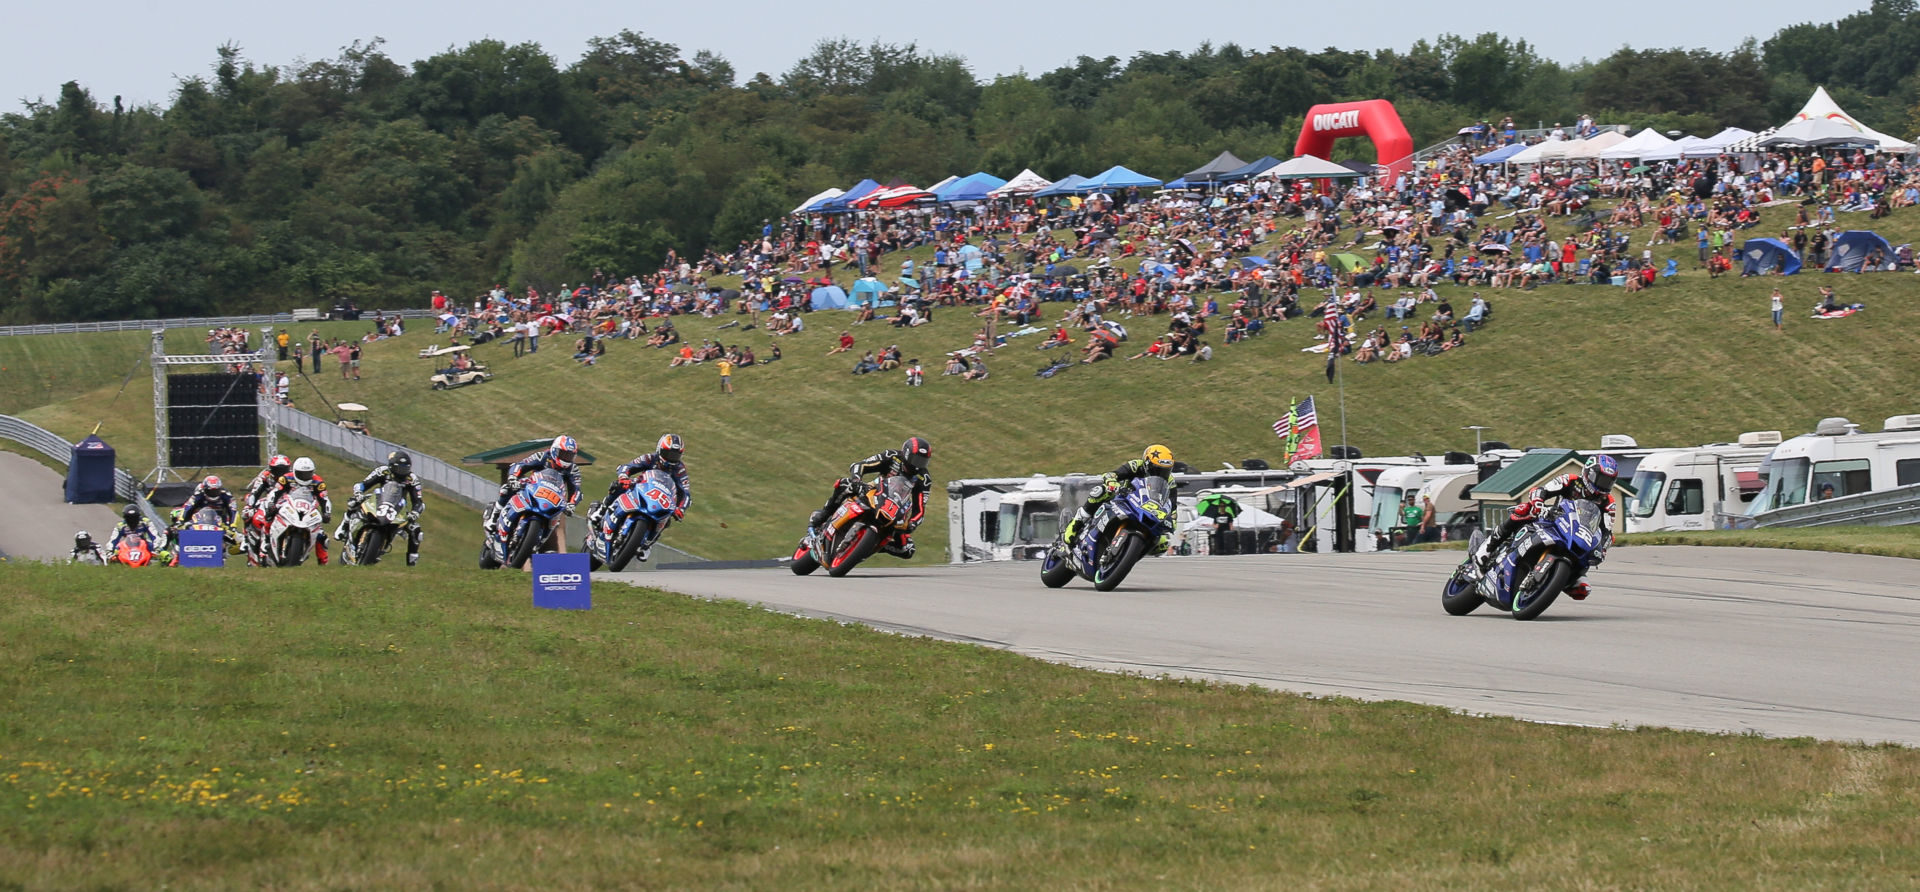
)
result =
(1252, 262)
(1072, 185)
(1760, 256)
(1181, 183)
(969, 188)
(1852, 248)
(870, 291)
(844, 201)
(829, 297)
(1253, 169)
(1501, 154)
(1117, 177)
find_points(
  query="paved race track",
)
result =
(36, 523)
(1784, 643)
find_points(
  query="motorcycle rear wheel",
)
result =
(1108, 576)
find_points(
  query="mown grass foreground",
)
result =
(392, 730)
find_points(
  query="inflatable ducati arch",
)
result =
(1374, 119)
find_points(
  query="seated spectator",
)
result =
(914, 375)
(866, 365)
(956, 365)
(976, 369)
(890, 358)
(845, 345)
(1204, 354)
(685, 357)
(773, 354)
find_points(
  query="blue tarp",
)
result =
(1500, 154)
(969, 188)
(1117, 177)
(1072, 185)
(829, 297)
(1760, 256)
(1851, 249)
(845, 200)
(1253, 169)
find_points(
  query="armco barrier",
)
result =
(1886, 508)
(184, 322)
(56, 447)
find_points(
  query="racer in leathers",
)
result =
(132, 522)
(1154, 461)
(85, 550)
(1594, 483)
(910, 460)
(253, 503)
(305, 475)
(398, 469)
(559, 456)
(666, 456)
(210, 494)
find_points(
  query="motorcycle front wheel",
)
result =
(293, 550)
(1551, 581)
(859, 545)
(373, 546)
(1109, 574)
(630, 546)
(531, 535)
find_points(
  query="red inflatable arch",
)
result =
(1374, 119)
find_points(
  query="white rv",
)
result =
(1698, 488)
(1836, 461)
(1446, 485)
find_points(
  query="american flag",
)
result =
(1300, 430)
(1302, 418)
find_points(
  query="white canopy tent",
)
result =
(1590, 149)
(1026, 183)
(1307, 167)
(1674, 150)
(1249, 518)
(1817, 132)
(1820, 107)
(830, 193)
(1538, 152)
(1715, 144)
(1638, 146)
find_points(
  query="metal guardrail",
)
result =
(452, 482)
(182, 322)
(1883, 508)
(57, 448)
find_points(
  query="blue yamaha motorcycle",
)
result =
(526, 524)
(631, 522)
(1531, 569)
(1118, 535)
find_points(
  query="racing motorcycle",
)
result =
(1532, 568)
(516, 531)
(203, 519)
(292, 531)
(383, 516)
(856, 529)
(634, 520)
(133, 551)
(1116, 537)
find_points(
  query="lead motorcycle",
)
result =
(1115, 538)
(1535, 566)
(526, 524)
(383, 518)
(856, 529)
(631, 522)
(292, 531)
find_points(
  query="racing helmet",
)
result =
(400, 464)
(212, 482)
(670, 447)
(177, 516)
(279, 465)
(917, 452)
(82, 540)
(303, 469)
(130, 514)
(563, 451)
(1159, 457)
(1600, 472)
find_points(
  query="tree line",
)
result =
(262, 187)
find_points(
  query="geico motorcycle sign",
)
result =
(202, 548)
(561, 582)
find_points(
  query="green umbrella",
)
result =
(1641, 169)
(1348, 262)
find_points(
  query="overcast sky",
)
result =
(138, 49)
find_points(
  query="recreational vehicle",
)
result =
(1836, 461)
(1699, 488)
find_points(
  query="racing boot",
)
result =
(593, 514)
(1073, 526)
(900, 546)
(1578, 591)
(320, 548)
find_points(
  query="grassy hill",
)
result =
(385, 729)
(1693, 360)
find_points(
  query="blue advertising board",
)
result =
(562, 582)
(203, 548)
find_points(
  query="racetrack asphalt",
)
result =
(1781, 643)
(36, 523)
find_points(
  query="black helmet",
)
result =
(400, 463)
(670, 447)
(917, 452)
(130, 514)
(81, 539)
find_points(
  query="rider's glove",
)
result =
(679, 512)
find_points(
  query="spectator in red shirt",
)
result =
(846, 344)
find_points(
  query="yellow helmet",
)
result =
(1158, 456)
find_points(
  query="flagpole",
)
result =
(1341, 377)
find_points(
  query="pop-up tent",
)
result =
(1807, 129)
(1639, 145)
(1715, 144)
(1760, 256)
(1250, 169)
(1307, 167)
(1500, 155)
(1852, 249)
(975, 187)
(1074, 184)
(1545, 150)
(1222, 164)
(892, 197)
(1674, 150)
(822, 198)
(829, 297)
(1591, 147)
(1026, 183)
(844, 201)
(1116, 177)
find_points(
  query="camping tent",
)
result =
(1852, 248)
(1026, 183)
(1074, 184)
(1760, 256)
(1307, 167)
(1223, 163)
(1821, 107)
(868, 290)
(1500, 155)
(1116, 177)
(829, 297)
(1715, 144)
(1251, 169)
(844, 201)
(1639, 145)
(822, 198)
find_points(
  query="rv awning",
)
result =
(1749, 481)
(1311, 479)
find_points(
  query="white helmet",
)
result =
(303, 469)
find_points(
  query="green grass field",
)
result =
(383, 729)
(1903, 542)
(1691, 361)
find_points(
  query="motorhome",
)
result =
(1836, 461)
(1016, 518)
(1446, 485)
(1700, 488)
